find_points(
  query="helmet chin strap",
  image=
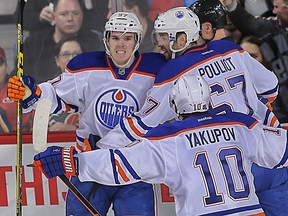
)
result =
(176, 51)
(208, 40)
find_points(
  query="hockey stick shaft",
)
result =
(88, 205)
(79, 195)
(20, 70)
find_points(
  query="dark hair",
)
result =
(142, 5)
(258, 42)
(64, 40)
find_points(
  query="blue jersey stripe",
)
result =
(126, 132)
(141, 123)
(272, 91)
(114, 166)
(233, 211)
(127, 164)
(285, 156)
(198, 121)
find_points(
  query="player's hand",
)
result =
(56, 161)
(229, 4)
(89, 143)
(16, 89)
(25, 89)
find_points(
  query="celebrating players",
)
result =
(204, 158)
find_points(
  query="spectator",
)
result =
(258, 7)
(67, 48)
(8, 109)
(37, 15)
(141, 9)
(252, 45)
(39, 46)
(274, 33)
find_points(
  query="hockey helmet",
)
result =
(123, 22)
(211, 11)
(189, 94)
(176, 20)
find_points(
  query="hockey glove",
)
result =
(24, 89)
(56, 161)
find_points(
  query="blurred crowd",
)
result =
(58, 30)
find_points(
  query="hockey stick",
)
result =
(40, 124)
(20, 65)
(39, 134)
(88, 205)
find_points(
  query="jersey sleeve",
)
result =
(141, 161)
(265, 82)
(271, 149)
(156, 110)
(65, 93)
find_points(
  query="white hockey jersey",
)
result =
(206, 160)
(102, 93)
(236, 80)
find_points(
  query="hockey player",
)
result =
(204, 158)
(103, 87)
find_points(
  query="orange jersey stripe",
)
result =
(133, 128)
(258, 214)
(121, 171)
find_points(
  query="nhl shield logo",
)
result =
(113, 105)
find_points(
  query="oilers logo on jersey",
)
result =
(114, 104)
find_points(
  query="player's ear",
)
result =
(206, 28)
(181, 40)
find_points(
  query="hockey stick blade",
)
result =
(40, 129)
(40, 124)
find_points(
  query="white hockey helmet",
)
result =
(189, 94)
(123, 22)
(178, 19)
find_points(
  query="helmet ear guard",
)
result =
(189, 94)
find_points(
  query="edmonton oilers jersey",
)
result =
(205, 160)
(101, 92)
(235, 79)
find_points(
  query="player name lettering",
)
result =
(206, 137)
(66, 160)
(216, 68)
